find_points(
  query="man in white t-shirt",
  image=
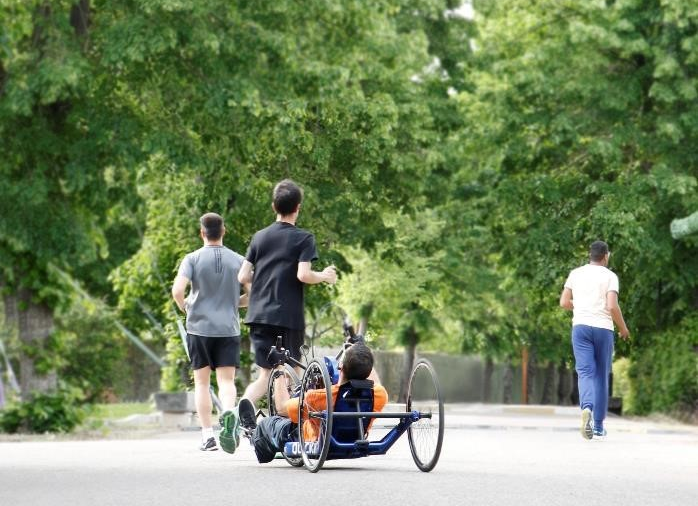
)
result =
(591, 292)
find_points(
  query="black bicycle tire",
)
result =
(290, 371)
(319, 365)
(428, 466)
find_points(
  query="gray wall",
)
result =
(461, 377)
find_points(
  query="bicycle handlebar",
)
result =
(279, 355)
(351, 336)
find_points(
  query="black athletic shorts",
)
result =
(213, 351)
(263, 337)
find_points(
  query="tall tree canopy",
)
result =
(459, 166)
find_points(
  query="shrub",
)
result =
(664, 371)
(59, 411)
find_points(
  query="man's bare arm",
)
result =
(310, 277)
(245, 297)
(281, 395)
(566, 299)
(245, 273)
(178, 288)
(617, 315)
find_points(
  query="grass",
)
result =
(116, 411)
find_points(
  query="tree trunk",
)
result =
(34, 324)
(508, 382)
(487, 380)
(244, 373)
(564, 385)
(549, 396)
(363, 325)
(574, 396)
(80, 17)
(408, 363)
(364, 315)
(532, 372)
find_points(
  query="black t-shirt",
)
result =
(276, 296)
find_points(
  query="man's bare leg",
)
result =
(202, 398)
(225, 377)
(258, 388)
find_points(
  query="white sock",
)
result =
(206, 432)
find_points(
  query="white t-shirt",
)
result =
(589, 285)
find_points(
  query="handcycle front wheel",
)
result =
(291, 382)
(426, 435)
(315, 415)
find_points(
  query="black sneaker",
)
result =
(209, 445)
(248, 419)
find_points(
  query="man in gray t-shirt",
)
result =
(213, 323)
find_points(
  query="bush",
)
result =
(176, 375)
(59, 411)
(664, 371)
(88, 350)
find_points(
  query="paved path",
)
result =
(491, 456)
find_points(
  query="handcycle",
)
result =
(341, 428)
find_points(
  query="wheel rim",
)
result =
(426, 434)
(315, 399)
(292, 383)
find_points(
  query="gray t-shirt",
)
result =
(212, 304)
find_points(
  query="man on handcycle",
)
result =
(273, 432)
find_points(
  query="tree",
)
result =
(585, 113)
(50, 204)
(256, 92)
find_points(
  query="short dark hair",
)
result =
(212, 225)
(286, 197)
(597, 251)
(357, 362)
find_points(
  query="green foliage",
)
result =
(394, 277)
(581, 117)
(256, 92)
(664, 371)
(88, 352)
(454, 171)
(59, 411)
(176, 376)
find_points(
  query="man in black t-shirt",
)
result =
(278, 264)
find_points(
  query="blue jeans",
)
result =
(593, 351)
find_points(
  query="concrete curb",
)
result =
(466, 417)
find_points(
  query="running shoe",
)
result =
(600, 434)
(229, 435)
(248, 418)
(586, 430)
(209, 445)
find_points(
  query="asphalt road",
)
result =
(489, 466)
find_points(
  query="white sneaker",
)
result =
(586, 430)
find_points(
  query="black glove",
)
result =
(276, 356)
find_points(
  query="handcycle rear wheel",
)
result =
(315, 409)
(292, 384)
(426, 434)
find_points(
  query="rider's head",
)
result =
(212, 226)
(357, 362)
(287, 197)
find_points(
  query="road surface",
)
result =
(488, 460)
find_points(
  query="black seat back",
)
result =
(353, 396)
